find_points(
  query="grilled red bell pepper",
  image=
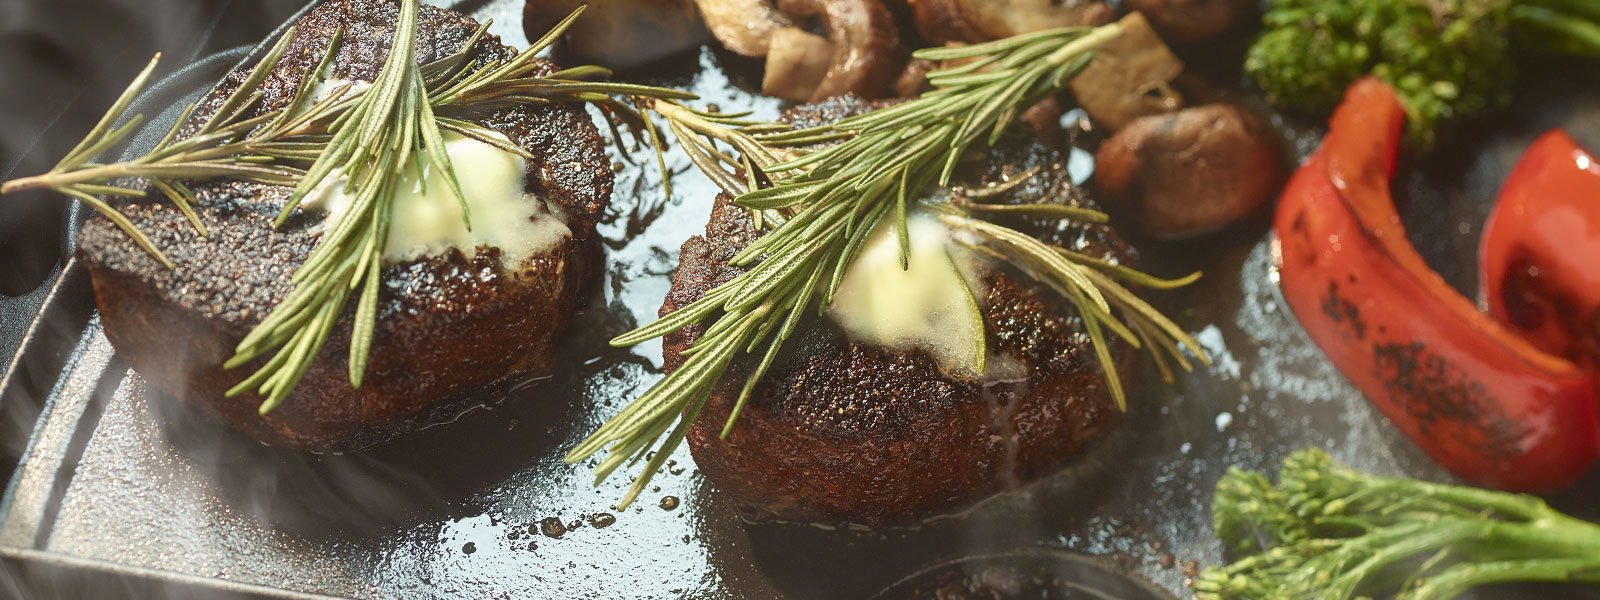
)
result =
(1484, 403)
(1540, 263)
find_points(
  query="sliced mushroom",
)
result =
(866, 45)
(1186, 21)
(1130, 77)
(972, 21)
(618, 33)
(796, 63)
(1189, 172)
(743, 26)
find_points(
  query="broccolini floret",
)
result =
(1327, 531)
(1446, 59)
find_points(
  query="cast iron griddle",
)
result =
(119, 478)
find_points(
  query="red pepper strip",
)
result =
(1540, 263)
(1482, 402)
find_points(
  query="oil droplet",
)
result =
(552, 527)
(602, 520)
(469, 548)
(669, 503)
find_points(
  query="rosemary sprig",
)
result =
(821, 203)
(371, 144)
(367, 137)
(392, 121)
(211, 152)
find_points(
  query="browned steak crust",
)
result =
(844, 431)
(451, 330)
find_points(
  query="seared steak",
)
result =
(843, 431)
(452, 330)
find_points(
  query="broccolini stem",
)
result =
(1456, 580)
(1329, 531)
(1557, 537)
(1386, 547)
(1556, 30)
(1520, 506)
(1578, 9)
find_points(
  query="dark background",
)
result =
(62, 63)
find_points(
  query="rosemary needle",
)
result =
(824, 201)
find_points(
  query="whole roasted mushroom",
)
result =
(1190, 172)
(618, 33)
(1187, 21)
(973, 21)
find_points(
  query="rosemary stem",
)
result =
(677, 113)
(1096, 38)
(27, 183)
(95, 174)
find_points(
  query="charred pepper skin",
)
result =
(1539, 262)
(1485, 404)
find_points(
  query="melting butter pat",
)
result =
(426, 220)
(926, 306)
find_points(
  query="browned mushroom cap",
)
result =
(1129, 78)
(743, 26)
(972, 21)
(618, 33)
(866, 45)
(1189, 172)
(1185, 21)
